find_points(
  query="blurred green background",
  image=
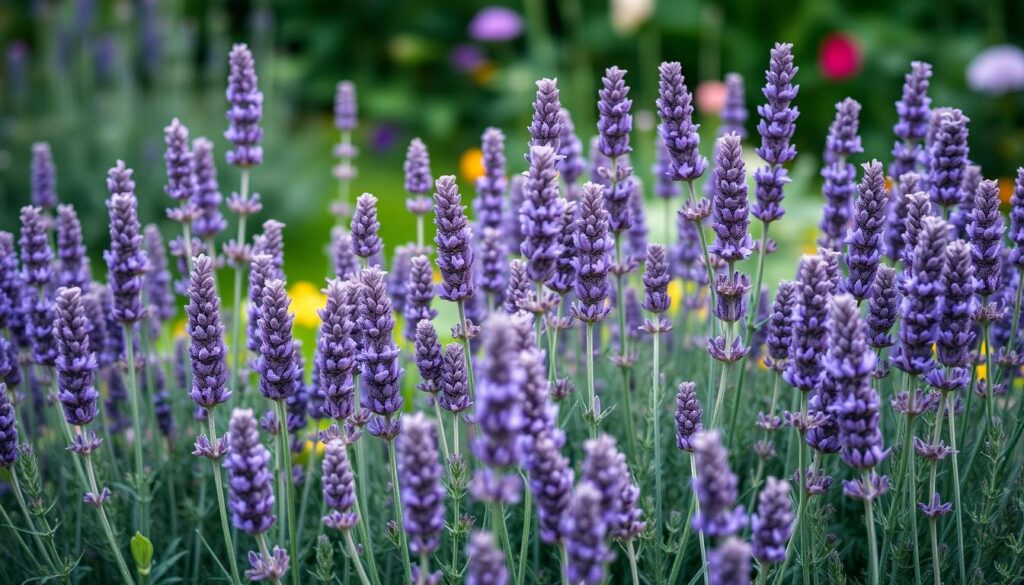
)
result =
(100, 79)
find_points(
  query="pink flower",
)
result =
(997, 70)
(839, 57)
(710, 96)
(496, 24)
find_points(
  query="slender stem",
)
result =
(236, 307)
(524, 539)
(142, 483)
(656, 423)
(700, 534)
(456, 501)
(631, 554)
(288, 491)
(802, 499)
(419, 232)
(932, 479)
(363, 512)
(704, 248)
(122, 567)
(755, 295)
(17, 535)
(20, 497)
(467, 349)
(869, 521)
(498, 524)
(440, 428)
(224, 526)
(989, 385)
(353, 555)
(261, 540)
(905, 452)
(399, 515)
(951, 413)
(716, 414)
(591, 399)
(912, 487)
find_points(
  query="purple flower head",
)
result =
(276, 362)
(44, 177)
(865, 241)
(429, 359)
(245, 102)
(511, 226)
(919, 206)
(1017, 219)
(260, 271)
(36, 253)
(73, 265)
(250, 482)
(656, 279)
(914, 114)
(955, 335)
(206, 351)
(896, 223)
(539, 413)
(778, 116)
(365, 227)
(732, 214)
(163, 410)
(486, 561)
(961, 215)
(419, 293)
(546, 127)
(158, 279)
(398, 277)
(551, 480)
(8, 429)
(181, 178)
(664, 186)
(570, 150)
(490, 188)
(716, 487)
(614, 122)
(336, 349)
(584, 531)
(772, 526)
(947, 158)
(494, 263)
(453, 380)
(687, 263)
(688, 416)
(986, 234)
(419, 476)
(271, 243)
(734, 113)
(417, 168)
(495, 24)
(453, 239)
(518, 288)
(268, 567)
(346, 263)
(677, 130)
(636, 244)
(541, 215)
(838, 174)
(76, 363)
(843, 139)
(919, 310)
(12, 288)
(780, 322)
(605, 468)
(809, 324)
(207, 196)
(345, 106)
(126, 262)
(883, 307)
(593, 260)
(339, 486)
(729, 564)
(378, 355)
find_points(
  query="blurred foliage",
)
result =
(100, 79)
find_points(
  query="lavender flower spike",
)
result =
(919, 311)
(246, 107)
(947, 158)
(76, 363)
(677, 130)
(734, 113)
(453, 380)
(345, 106)
(276, 363)
(614, 121)
(44, 177)
(250, 482)
(379, 354)
(486, 561)
(585, 532)
(8, 429)
(688, 416)
(181, 179)
(778, 122)
(417, 177)
(729, 564)
(158, 279)
(454, 252)
(336, 350)
(914, 113)
(839, 175)
(1017, 219)
(780, 324)
(365, 227)
(986, 233)
(570, 151)
(865, 241)
(732, 215)
(883, 308)
(716, 487)
(955, 335)
(346, 263)
(429, 359)
(73, 266)
(551, 480)
(419, 475)
(210, 221)
(809, 324)
(546, 127)
(419, 291)
(772, 526)
(494, 264)
(541, 215)
(593, 261)
(338, 486)
(207, 351)
(126, 261)
(490, 188)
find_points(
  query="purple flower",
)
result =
(961, 215)
(656, 279)
(454, 252)
(268, 567)
(518, 288)
(570, 150)
(997, 70)
(539, 413)
(546, 127)
(8, 429)
(486, 561)
(495, 24)
(511, 227)
(419, 293)
(181, 179)
(494, 263)
(732, 215)
(163, 410)
(365, 227)
(838, 174)
(428, 357)
(584, 531)
(250, 482)
(688, 416)
(158, 278)
(716, 487)
(687, 263)
(417, 168)
(245, 102)
(73, 265)
(551, 480)
(986, 234)
(75, 363)
(453, 380)
(899, 206)
(914, 114)
(919, 310)
(955, 336)
(490, 188)
(677, 130)
(809, 324)
(778, 122)
(336, 349)
(919, 206)
(36, 253)
(126, 262)
(636, 244)
(398, 278)
(614, 121)
(734, 113)
(378, 355)
(772, 526)
(1017, 219)
(947, 157)
(541, 215)
(44, 177)
(883, 308)
(593, 260)
(345, 106)
(206, 351)
(780, 323)
(729, 564)
(12, 288)
(260, 271)
(606, 470)
(419, 476)
(346, 263)
(207, 198)
(664, 186)
(865, 241)
(339, 487)
(276, 363)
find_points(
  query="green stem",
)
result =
(656, 423)
(17, 535)
(122, 567)
(631, 554)
(591, 399)
(869, 521)
(465, 348)
(51, 561)
(440, 428)
(399, 515)
(353, 556)
(722, 382)
(932, 479)
(361, 511)
(498, 524)
(419, 232)
(950, 410)
(288, 489)
(704, 248)
(912, 489)
(700, 534)
(224, 526)
(142, 484)
(524, 540)
(236, 307)
(307, 485)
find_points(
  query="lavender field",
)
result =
(585, 373)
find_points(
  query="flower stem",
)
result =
(869, 521)
(225, 528)
(631, 554)
(236, 307)
(498, 524)
(353, 555)
(17, 535)
(802, 504)
(467, 349)
(908, 445)
(361, 510)
(20, 497)
(700, 535)
(950, 410)
(142, 483)
(399, 515)
(287, 490)
(524, 540)
(122, 567)
(656, 423)
(589, 357)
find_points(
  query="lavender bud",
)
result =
(207, 196)
(541, 215)
(585, 531)
(716, 487)
(126, 262)
(778, 122)
(345, 106)
(419, 295)
(570, 150)
(688, 416)
(614, 121)
(346, 263)
(339, 487)
(454, 253)
(564, 278)
(656, 279)
(417, 168)
(8, 429)
(486, 561)
(883, 308)
(379, 354)
(677, 130)
(75, 363)
(551, 480)
(365, 227)
(518, 288)
(780, 322)
(276, 362)
(734, 112)
(729, 564)
(772, 526)
(593, 246)
(454, 380)
(1017, 219)
(181, 179)
(250, 482)
(986, 234)
(73, 267)
(919, 310)
(809, 324)
(428, 357)
(947, 157)
(732, 215)
(420, 474)
(490, 188)
(546, 127)
(246, 107)
(494, 262)
(44, 177)
(865, 241)
(955, 337)
(207, 351)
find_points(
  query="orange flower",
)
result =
(471, 164)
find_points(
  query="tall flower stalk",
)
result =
(346, 120)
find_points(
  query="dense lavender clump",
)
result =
(677, 131)
(593, 260)
(947, 157)
(716, 487)
(419, 475)
(365, 239)
(914, 113)
(486, 561)
(378, 355)
(986, 234)
(126, 262)
(43, 177)
(339, 487)
(453, 380)
(250, 482)
(778, 122)
(541, 215)
(546, 127)
(864, 250)
(919, 310)
(206, 351)
(453, 240)
(772, 526)
(732, 215)
(276, 363)
(491, 186)
(207, 198)
(584, 531)
(688, 416)
(75, 363)
(839, 175)
(809, 324)
(73, 262)
(246, 108)
(883, 307)
(8, 429)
